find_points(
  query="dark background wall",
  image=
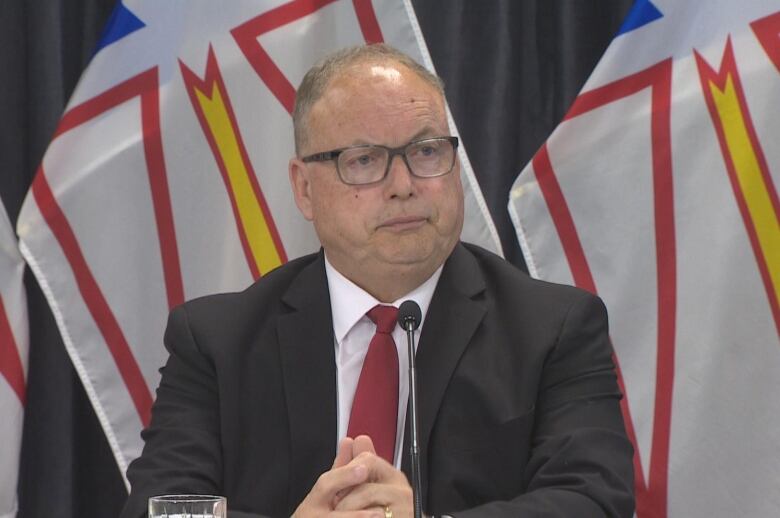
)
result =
(512, 68)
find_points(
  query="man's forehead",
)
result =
(354, 102)
(366, 78)
(387, 72)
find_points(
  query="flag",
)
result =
(658, 191)
(166, 178)
(13, 363)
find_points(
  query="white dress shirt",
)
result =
(353, 331)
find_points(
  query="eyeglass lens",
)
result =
(367, 164)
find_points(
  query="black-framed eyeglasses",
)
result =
(364, 164)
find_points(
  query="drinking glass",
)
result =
(187, 506)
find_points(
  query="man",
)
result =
(518, 401)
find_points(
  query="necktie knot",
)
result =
(385, 318)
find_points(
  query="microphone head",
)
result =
(409, 315)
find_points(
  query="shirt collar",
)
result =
(349, 302)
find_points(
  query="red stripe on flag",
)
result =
(246, 36)
(101, 103)
(619, 89)
(93, 297)
(583, 278)
(146, 86)
(563, 221)
(369, 25)
(10, 361)
(161, 196)
(652, 497)
(666, 278)
(630, 431)
(767, 31)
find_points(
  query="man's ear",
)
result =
(299, 180)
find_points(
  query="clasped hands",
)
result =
(360, 484)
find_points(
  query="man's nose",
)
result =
(399, 181)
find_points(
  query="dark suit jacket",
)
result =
(518, 401)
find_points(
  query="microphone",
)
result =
(409, 318)
(409, 314)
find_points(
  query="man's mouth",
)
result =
(403, 223)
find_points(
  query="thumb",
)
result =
(344, 454)
(362, 444)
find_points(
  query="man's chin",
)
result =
(419, 252)
(413, 258)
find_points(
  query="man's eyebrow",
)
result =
(426, 132)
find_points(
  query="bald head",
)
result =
(341, 63)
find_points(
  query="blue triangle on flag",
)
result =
(642, 13)
(121, 23)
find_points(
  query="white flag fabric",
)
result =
(14, 344)
(167, 176)
(658, 191)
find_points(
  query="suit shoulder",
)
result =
(255, 299)
(506, 280)
(531, 311)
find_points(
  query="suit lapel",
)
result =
(309, 372)
(453, 316)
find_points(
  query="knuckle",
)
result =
(323, 483)
(365, 455)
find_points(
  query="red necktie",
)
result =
(375, 407)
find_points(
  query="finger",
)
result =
(343, 457)
(338, 479)
(344, 453)
(397, 497)
(362, 444)
(375, 512)
(379, 470)
(338, 496)
(356, 446)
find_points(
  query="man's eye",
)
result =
(425, 151)
(361, 160)
(364, 159)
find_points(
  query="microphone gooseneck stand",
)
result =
(409, 317)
